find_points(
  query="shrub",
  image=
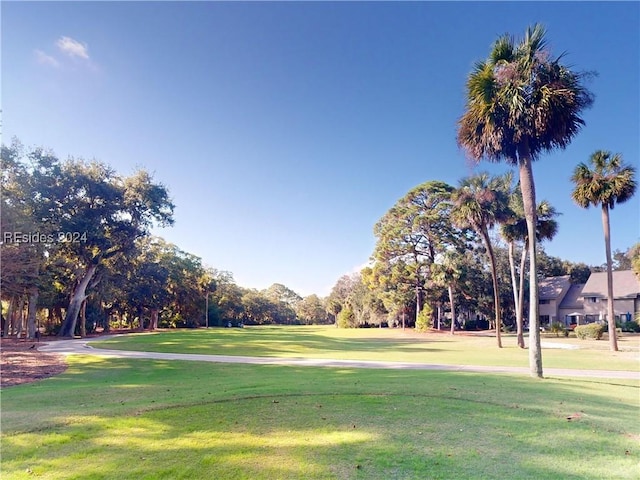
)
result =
(558, 328)
(423, 322)
(592, 330)
(632, 327)
(346, 318)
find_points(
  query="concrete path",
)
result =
(81, 346)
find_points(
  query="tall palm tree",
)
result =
(479, 203)
(516, 230)
(609, 182)
(520, 104)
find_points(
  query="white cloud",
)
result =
(45, 59)
(72, 47)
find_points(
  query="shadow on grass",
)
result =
(267, 342)
(123, 419)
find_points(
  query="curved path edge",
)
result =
(82, 347)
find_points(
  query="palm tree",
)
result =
(516, 230)
(447, 273)
(609, 182)
(520, 104)
(480, 203)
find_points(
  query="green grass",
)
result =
(148, 419)
(381, 344)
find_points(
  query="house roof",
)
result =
(625, 285)
(550, 288)
(573, 299)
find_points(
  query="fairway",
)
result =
(328, 342)
(155, 419)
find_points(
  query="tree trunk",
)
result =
(611, 317)
(153, 324)
(496, 288)
(9, 320)
(453, 310)
(31, 315)
(19, 317)
(83, 319)
(529, 202)
(77, 297)
(516, 295)
(520, 313)
(417, 304)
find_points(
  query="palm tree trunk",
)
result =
(520, 314)
(516, 295)
(496, 290)
(529, 202)
(611, 318)
(453, 310)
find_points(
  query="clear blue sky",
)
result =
(284, 131)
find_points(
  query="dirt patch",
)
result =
(21, 362)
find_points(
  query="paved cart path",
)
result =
(81, 346)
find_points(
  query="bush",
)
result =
(423, 322)
(558, 328)
(632, 327)
(346, 318)
(592, 330)
(470, 325)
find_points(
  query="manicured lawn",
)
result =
(121, 418)
(382, 344)
(148, 419)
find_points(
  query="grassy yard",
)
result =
(383, 344)
(151, 419)
(148, 419)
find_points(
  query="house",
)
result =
(562, 301)
(551, 292)
(626, 296)
(571, 310)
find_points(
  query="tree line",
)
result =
(444, 254)
(77, 255)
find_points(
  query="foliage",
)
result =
(311, 311)
(631, 326)
(480, 203)
(559, 328)
(605, 182)
(423, 322)
(346, 318)
(476, 325)
(590, 331)
(409, 238)
(634, 254)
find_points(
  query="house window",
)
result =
(544, 319)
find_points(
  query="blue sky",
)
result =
(284, 131)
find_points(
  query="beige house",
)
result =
(626, 296)
(562, 301)
(551, 292)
